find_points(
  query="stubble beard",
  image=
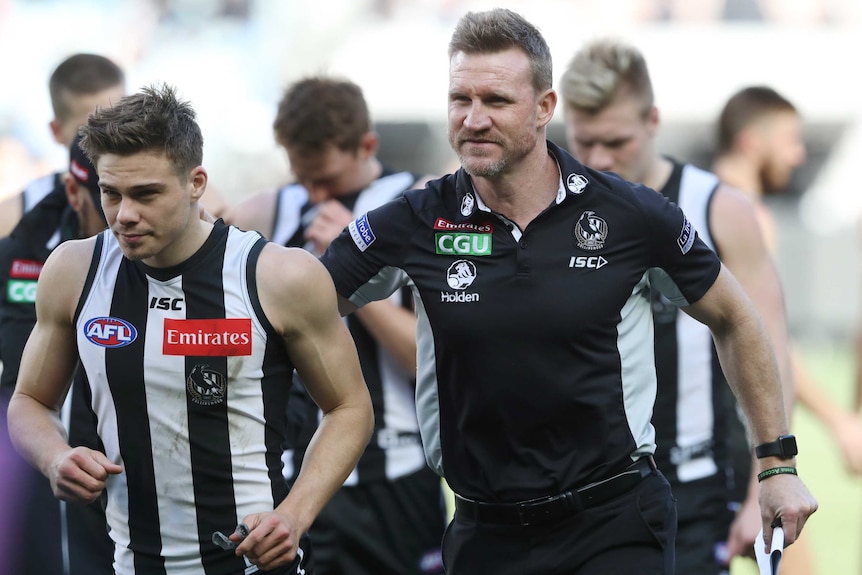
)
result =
(480, 170)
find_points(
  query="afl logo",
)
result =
(110, 332)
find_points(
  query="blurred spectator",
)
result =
(760, 145)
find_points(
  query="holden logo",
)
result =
(461, 274)
(576, 183)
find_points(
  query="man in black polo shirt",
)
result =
(536, 377)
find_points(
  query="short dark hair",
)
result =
(81, 75)
(498, 30)
(154, 119)
(746, 107)
(317, 112)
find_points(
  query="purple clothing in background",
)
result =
(13, 471)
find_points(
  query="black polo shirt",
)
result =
(535, 348)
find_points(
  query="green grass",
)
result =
(834, 533)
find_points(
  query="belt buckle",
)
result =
(539, 510)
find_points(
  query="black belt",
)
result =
(544, 509)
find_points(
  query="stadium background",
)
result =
(232, 58)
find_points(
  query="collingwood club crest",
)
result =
(206, 386)
(591, 231)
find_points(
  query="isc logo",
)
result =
(591, 262)
(174, 303)
(110, 332)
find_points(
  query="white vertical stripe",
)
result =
(638, 366)
(290, 201)
(97, 304)
(695, 410)
(427, 394)
(245, 398)
(695, 414)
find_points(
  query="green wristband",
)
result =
(776, 471)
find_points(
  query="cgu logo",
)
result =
(174, 303)
(18, 291)
(591, 262)
(110, 332)
(463, 244)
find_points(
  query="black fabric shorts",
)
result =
(382, 528)
(303, 563)
(633, 533)
(706, 510)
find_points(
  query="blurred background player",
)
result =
(67, 539)
(77, 86)
(389, 516)
(760, 146)
(611, 124)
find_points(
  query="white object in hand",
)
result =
(768, 562)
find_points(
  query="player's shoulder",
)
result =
(64, 274)
(287, 265)
(73, 254)
(731, 202)
(254, 212)
(292, 282)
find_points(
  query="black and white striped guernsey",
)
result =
(395, 449)
(190, 384)
(694, 405)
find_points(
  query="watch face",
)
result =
(787, 445)
(783, 447)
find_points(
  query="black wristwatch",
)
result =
(784, 448)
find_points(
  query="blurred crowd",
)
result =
(232, 57)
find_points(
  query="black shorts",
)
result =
(705, 512)
(382, 528)
(632, 533)
(302, 564)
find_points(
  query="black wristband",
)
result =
(776, 471)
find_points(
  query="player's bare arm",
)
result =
(299, 299)
(748, 361)
(47, 365)
(740, 241)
